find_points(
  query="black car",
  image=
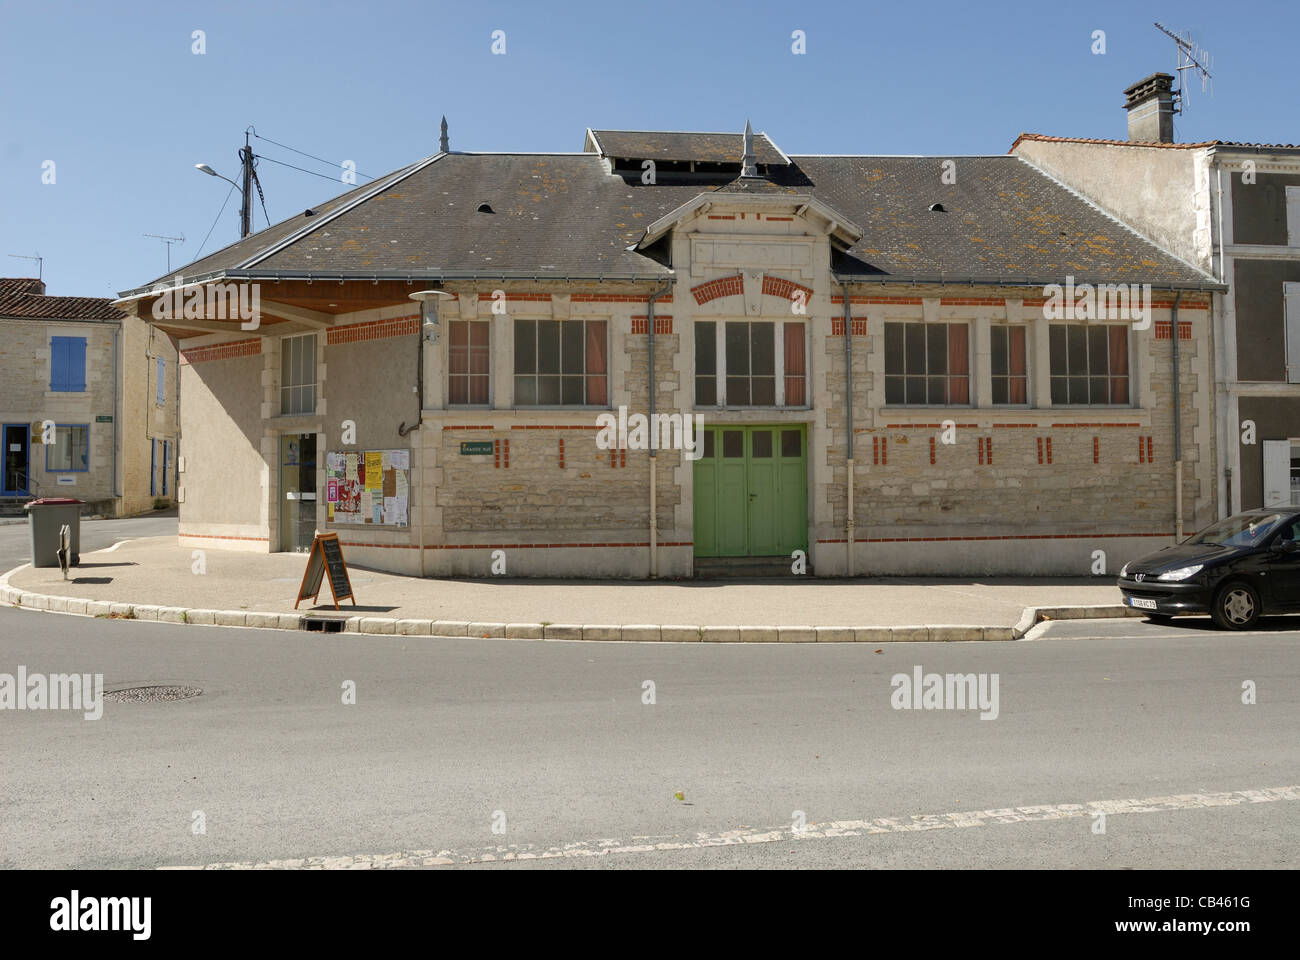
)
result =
(1235, 570)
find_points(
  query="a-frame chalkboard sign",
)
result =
(326, 556)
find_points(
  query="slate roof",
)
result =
(35, 306)
(564, 215)
(675, 145)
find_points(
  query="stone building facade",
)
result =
(472, 325)
(1232, 210)
(81, 409)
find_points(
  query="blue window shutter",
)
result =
(68, 364)
(78, 363)
(167, 449)
(162, 380)
(153, 467)
(58, 363)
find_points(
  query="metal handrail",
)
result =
(31, 487)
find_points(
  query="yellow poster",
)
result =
(374, 470)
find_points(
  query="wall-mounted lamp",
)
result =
(428, 300)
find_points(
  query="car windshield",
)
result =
(1246, 530)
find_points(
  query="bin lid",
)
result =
(53, 502)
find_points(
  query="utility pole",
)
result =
(246, 212)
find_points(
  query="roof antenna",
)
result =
(1191, 56)
(749, 163)
(40, 263)
(444, 145)
(168, 241)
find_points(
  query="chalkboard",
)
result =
(326, 555)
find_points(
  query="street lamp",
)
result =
(204, 168)
(245, 218)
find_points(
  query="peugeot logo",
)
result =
(1139, 577)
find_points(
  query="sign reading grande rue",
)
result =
(476, 448)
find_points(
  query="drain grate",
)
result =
(152, 694)
(323, 624)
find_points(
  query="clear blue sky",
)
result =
(114, 96)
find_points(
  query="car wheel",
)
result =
(1236, 606)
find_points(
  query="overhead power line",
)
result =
(311, 156)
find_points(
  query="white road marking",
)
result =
(750, 835)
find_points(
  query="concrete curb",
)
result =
(629, 633)
(1036, 615)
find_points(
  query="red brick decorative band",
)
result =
(722, 287)
(372, 330)
(382, 546)
(223, 351)
(552, 426)
(907, 301)
(641, 323)
(785, 289)
(214, 536)
(471, 426)
(837, 327)
(617, 298)
(919, 426)
(1164, 329)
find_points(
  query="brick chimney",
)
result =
(1150, 106)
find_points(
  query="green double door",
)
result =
(751, 492)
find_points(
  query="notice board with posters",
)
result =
(368, 486)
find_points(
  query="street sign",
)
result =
(476, 448)
(103, 419)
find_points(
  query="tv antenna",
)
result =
(40, 263)
(1191, 56)
(168, 241)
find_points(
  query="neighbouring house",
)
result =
(1232, 209)
(89, 399)
(893, 359)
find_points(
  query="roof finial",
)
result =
(749, 163)
(444, 145)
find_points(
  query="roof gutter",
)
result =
(410, 276)
(1204, 286)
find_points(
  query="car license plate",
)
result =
(1142, 603)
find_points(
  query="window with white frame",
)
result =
(468, 362)
(1291, 313)
(561, 363)
(760, 363)
(298, 374)
(1089, 364)
(927, 364)
(1293, 216)
(1008, 364)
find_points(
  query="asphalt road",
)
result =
(15, 538)
(553, 742)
